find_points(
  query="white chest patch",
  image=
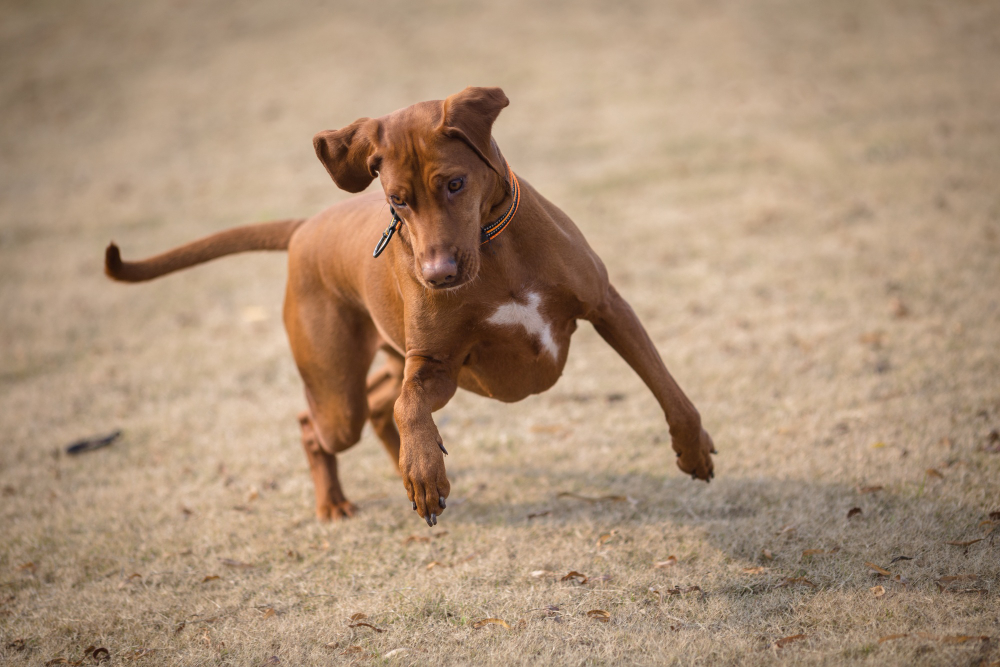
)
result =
(527, 316)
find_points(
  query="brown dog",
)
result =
(452, 301)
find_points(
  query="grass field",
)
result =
(800, 200)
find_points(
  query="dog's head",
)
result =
(440, 169)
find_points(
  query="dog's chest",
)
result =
(520, 348)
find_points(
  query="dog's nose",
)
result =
(440, 271)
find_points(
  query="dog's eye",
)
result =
(455, 184)
(396, 201)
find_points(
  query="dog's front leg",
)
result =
(428, 384)
(618, 324)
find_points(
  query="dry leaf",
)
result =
(535, 515)
(891, 637)
(881, 570)
(269, 612)
(791, 581)
(229, 562)
(396, 651)
(995, 516)
(490, 621)
(433, 564)
(868, 489)
(899, 558)
(28, 567)
(787, 529)
(358, 616)
(211, 577)
(605, 537)
(877, 591)
(363, 624)
(543, 573)
(853, 512)
(755, 570)
(663, 564)
(580, 577)
(603, 577)
(784, 641)
(813, 552)
(964, 544)
(932, 472)
(599, 615)
(416, 538)
(766, 553)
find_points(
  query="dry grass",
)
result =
(770, 184)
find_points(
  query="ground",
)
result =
(799, 199)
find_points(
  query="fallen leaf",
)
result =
(535, 515)
(332, 645)
(211, 577)
(853, 512)
(580, 577)
(677, 590)
(602, 577)
(755, 570)
(396, 651)
(433, 564)
(953, 639)
(90, 444)
(490, 621)
(932, 472)
(991, 525)
(362, 624)
(899, 579)
(253, 494)
(868, 489)
(877, 591)
(599, 615)
(964, 544)
(791, 581)
(358, 616)
(28, 567)
(899, 558)
(879, 445)
(787, 529)
(605, 537)
(766, 553)
(881, 570)
(813, 552)
(784, 641)
(664, 564)
(416, 538)
(995, 516)
(269, 612)
(229, 562)
(891, 637)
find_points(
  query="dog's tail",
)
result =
(264, 236)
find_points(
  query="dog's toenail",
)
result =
(414, 506)
(441, 445)
(434, 519)
(428, 520)
(441, 502)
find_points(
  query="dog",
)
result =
(477, 282)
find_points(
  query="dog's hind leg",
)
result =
(333, 346)
(384, 386)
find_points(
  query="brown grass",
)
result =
(771, 185)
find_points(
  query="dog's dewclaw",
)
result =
(441, 445)
(441, 502)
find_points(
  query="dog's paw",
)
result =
(331, 511)
(425, 479)
(697, 460)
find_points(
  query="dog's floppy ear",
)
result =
(469, 116)
(349, 153)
